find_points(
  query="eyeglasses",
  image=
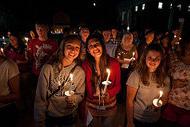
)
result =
(153, 59)
(94, 45)
(72, 48)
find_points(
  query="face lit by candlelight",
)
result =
(95, 48)
(153, 60)
(72, 50)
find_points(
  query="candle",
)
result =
(107, 82)
(70, 91)
(2, 50)
(161, 93)
(108, 71)
(133, 54)
(157, 102)
(26, 39)
(133, 57)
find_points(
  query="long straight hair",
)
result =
(159, 75)
(103, 59)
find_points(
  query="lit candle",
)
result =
(108, 76)
(26, 39)
(133, 54)
(2, 50)
(133, 57)
(157, 102)
(161, 93)
(70, 91)
(107, 82)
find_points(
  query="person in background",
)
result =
(16, 50)
(83, 33)
(136, 38)
(101, 100)
(115, 39)
(126, 54)
(58, 93)
(144, 85)
(110, 46)
(39, 51)
(41, 48)
(177, 111)
(9, 91)
(148, 39)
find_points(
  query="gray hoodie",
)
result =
(49, 80)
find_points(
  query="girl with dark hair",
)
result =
(61, 87)
(102, 82)
(144, 85)
(16, 50)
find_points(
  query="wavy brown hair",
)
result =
(160, 74)
(59, 54)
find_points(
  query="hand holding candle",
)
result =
(158, 102)
(133, 57)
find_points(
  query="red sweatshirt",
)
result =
(108, 106)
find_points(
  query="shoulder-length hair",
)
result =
(21, 45)
(103, 59)
(159, 75)
(59, 54)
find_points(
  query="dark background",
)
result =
(22, 15)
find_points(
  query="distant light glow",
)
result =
(136, 8)
(94, 4)
(179, 6)
(128, 28)
(171, 5)
(188, 8)
(160, 5)
(143, 6)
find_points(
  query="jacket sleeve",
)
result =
(40, 103)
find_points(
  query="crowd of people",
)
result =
(84, 78)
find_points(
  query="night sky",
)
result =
(80, 11)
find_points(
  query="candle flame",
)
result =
(2, 50)
(108, 71)
(133, 54)
(161, 93)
